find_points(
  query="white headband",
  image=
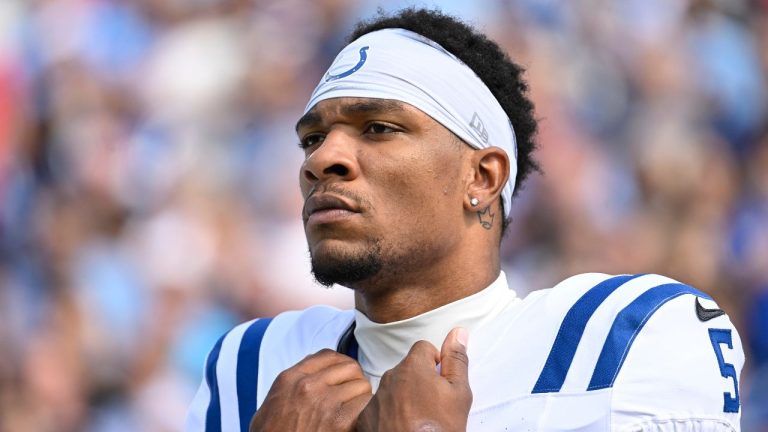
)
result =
(405, 66)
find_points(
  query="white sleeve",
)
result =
(215, 406)
(195, 421)
(682, 372)
(238, 372)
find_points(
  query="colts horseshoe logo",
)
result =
(360, 63)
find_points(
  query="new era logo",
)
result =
(479, 127)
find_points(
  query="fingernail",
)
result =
(462, 336)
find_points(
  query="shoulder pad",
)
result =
(244, 362)
(600, 322)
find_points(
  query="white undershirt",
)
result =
(382, 346)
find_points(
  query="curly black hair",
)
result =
(502, 76)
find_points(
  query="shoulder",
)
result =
(242, 364)
(664, 349)
(680, 361)
(594, 289)
(294, 332)
(599, 300)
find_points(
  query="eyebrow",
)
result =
(368, 106)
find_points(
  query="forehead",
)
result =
(352, 106)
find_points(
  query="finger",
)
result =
(341, 372)
(422, 354)
(454, 363)
(352, 390)
(320, 360)
(312, 388)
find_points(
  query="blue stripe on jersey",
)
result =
(353, 348)
(248, 370)
(627, 325)
(213, 414)
(571, 330)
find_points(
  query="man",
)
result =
(415, 140)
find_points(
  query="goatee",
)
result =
(347, 269)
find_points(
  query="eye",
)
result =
(311, 140)
(380, 128)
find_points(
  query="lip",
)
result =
(325, 208)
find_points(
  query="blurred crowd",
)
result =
(149, 197)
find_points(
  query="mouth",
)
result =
(323, 209)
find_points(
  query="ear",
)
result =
(491, 171)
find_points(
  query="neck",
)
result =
(404, 296)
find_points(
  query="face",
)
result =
(383, 190)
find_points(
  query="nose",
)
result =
(334, 157)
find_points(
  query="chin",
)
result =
(345, 266)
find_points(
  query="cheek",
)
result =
(420, 192)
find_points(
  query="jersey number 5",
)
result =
(720, 337)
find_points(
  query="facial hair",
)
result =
(348, 268)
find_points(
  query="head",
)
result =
(389, 185)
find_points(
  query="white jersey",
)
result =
(594, 353)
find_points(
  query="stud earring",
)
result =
(474, 201)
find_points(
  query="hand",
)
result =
(416, 396)
(324, 392)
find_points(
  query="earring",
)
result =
(474, 201)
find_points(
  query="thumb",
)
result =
(454, 362)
